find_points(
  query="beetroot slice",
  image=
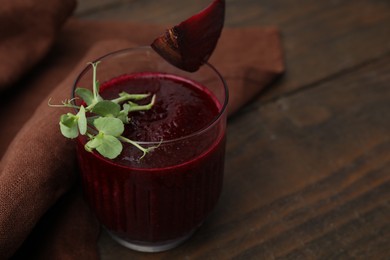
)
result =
(190, 44)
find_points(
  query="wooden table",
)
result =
(308, 163)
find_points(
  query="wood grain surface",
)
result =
(308, 163)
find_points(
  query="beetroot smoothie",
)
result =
(168, 194)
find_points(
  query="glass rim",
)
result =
(195, 133)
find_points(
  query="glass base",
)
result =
(151, 247)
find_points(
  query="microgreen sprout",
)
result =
(102, 121)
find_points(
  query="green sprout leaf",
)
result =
(107, 145)
(109, 126)
(68, 120)
(86, 95)
(82, 121)
(106, 108)
(68, 126)
(93, 143)
(110, 147)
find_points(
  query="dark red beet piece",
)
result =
(190, 44)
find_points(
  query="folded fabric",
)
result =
(32, 26)
(38, 166)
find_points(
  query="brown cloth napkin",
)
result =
(42, 214)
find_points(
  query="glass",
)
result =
(156, 203)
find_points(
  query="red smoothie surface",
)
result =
(169, 192)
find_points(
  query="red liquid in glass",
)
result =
(168, 193)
